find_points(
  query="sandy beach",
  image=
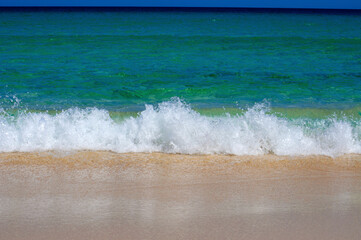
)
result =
(180, 123)
(106, 195)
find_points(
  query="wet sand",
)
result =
(105, 195)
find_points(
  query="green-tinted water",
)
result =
(53, 60)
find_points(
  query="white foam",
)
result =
(173, 127)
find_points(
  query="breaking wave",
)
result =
(173, 127)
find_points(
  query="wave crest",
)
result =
(173, 127)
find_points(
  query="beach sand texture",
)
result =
(106, 195)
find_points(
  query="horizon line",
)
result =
(181, 8)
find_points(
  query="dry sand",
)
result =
(105, 195)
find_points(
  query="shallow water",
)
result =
(246, 82)
(121, 60)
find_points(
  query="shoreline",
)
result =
(81, 159)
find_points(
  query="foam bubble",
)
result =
(173, 127)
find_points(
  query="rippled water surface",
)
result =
(121, 60)
(176, 81)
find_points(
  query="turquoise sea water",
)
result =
(301, 69)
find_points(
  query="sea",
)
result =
(180, 123)
(188, 81)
